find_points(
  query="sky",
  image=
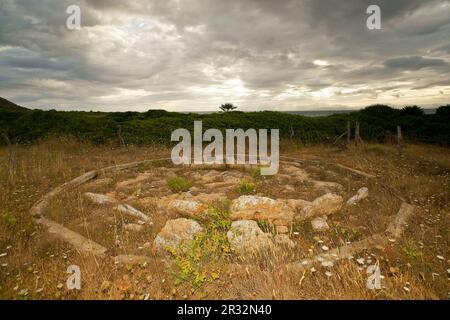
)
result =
(194, 55)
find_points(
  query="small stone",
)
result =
(327, 264)
(325, 248)
(312, 270)
(406, 289)
(4, 254)
(319, 224)
(328, 274)
(134, 227)
(60, 286)
(361, 261)
(440, 258)
(23, 292)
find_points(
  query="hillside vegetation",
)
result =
(378, 124)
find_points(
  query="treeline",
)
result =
(378, 123)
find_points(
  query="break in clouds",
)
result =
(187, 55)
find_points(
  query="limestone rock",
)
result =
(187, 207)
(319, 224)
(100, 198)
(261, 208)
(327, 204)
(360, 195)
(175, 232)
(246, 237)
(127, 209)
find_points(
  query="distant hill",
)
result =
(6, 105)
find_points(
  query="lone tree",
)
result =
(227, 107)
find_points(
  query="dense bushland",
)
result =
(378, 123)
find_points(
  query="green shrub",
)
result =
(246, 187)
(199, 260)
(179, 184)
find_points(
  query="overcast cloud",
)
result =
(187, 55)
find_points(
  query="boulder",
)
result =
(175, 232)
(189, 208)
(129, 210)
(360, 195)
(246, 237)
(327, 204)
(319, 224)
(262, 208)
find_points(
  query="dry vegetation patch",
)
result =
(33, 263)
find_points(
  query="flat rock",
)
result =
(100, 198)
(175, 232)
(187, 207)
(261, 208)
(360, 195)
(127, 209)
(327, 204)
(246, 237)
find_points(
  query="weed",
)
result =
(9, 220)
(192, 259)
(411, 251)
(179, 184)
(246, 187)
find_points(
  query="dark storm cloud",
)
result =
(261, 54)
(413, 63)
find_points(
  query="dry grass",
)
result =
(36, 264)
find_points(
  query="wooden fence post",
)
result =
(358, 140)
(119, 133)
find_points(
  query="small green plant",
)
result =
(412, 252)
(265, 226)
(193, 259)
(9, 220)
(179, 184)
(246, 187)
